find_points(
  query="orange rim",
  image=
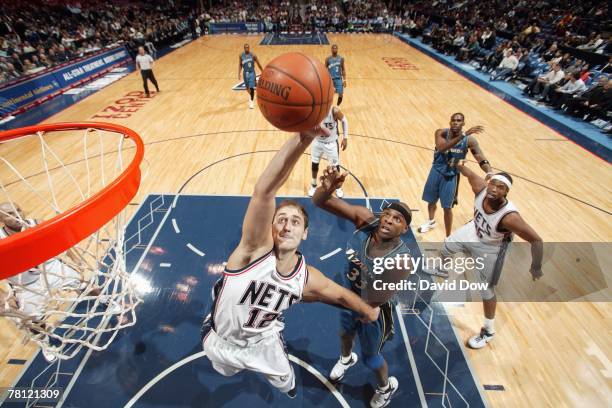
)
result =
(27, 249)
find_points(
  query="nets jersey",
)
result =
(29, 276)
(360, 269)
(332, 124)
(486, 225)
(334, 66)
(249, 302)
(446, 162)
(247, 62)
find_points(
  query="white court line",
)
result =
(321, 378)
(413, 366)
(175, 225)
(332, 253)
(200, 354)
(88, 354)
(165, 265)
(194, 249)
(465, 357)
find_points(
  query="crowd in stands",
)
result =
(36, 35)
(556, 50)
(553, 50)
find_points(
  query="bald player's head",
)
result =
(11, 215)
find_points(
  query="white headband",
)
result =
(503, 179)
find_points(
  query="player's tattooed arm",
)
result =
(331, 180)
(479, 155)
(515, 223)
(320, 288)
(476, 181)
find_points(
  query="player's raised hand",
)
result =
(314, 132)
(536, 272)
(475, 130)
(332, 179)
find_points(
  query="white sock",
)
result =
(346, 360)
(385, 388)
(313, 182)
(489, 325)
(432, 221)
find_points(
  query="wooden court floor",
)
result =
(545, 354)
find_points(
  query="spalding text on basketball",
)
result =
(276, 89)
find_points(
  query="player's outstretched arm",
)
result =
(442, 144)
(256, 228)
(331, 180)
(322, 289)
(477, 182)
(515, 223)
(479, 155)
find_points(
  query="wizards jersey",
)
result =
(360, 271)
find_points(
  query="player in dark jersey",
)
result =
(337, 71)
(443, 180)
(375, 237)
(246, 64)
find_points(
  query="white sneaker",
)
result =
(429, 225)
(339, 193)
(312, 190)
(337, 373)
(478, 341)
(382, 398)
(251, 105)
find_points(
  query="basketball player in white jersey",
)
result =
(328, 146)
(27, 291)
(264, 276)
(487, 237)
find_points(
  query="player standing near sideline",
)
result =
(144, 64)
(337, 71)
(246, 63)
(375, 237)
(264, 276)
(328, 146)
(443, 180)
(487, 237)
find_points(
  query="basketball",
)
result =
(294, 92)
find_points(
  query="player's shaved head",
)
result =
(8, 207)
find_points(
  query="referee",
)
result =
(144, 63)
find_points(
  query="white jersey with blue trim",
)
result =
(249, 302)
(486, 225)
(332, 125)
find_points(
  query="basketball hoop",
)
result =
(67, 186)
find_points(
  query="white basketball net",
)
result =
(84, 296)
